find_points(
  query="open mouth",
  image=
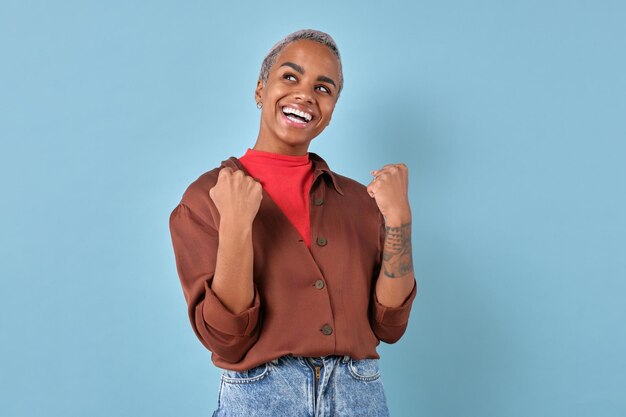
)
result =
(297, 116)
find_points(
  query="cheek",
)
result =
(276, 94)
(329, 108)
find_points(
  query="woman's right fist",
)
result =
(237, 196)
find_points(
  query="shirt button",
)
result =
(319, 284)
(327, 330)
(321, 241)
(319, 201)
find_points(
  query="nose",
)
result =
(304, 95)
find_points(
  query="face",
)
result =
(298, 98)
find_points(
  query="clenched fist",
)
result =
(390, 189)
(236, 196)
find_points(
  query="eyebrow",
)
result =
(326, 80)
(299, 69)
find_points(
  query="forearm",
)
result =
(396, 278)
(232, 281)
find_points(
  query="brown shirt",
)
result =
(307, 302)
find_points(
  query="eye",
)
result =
(323, 89)
(289, 77)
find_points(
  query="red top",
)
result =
(287, 179)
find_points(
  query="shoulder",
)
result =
(197, 193)
(196, 197)
(355, 193)
(198, 190)
(348, 184)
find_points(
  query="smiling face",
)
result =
(298, 97)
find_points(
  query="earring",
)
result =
(259, 105)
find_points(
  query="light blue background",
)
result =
(510, 115)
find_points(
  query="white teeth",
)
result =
(295, 119)
(297, 112)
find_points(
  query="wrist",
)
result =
(234, 228)
(397, 219)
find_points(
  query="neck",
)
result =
(281, 148)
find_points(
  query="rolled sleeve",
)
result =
(389, 323)
(220, 318)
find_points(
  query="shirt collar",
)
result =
(319, 167)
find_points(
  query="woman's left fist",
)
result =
(390, 189)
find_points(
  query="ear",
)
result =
(259, 90)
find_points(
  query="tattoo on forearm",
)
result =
(397, 253)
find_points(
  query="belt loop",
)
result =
(345, 359)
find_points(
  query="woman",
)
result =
(293, 273)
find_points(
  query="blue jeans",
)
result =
(329, 386)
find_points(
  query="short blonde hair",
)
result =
(304, 34)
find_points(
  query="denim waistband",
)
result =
(304, 386)
(315, 360)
